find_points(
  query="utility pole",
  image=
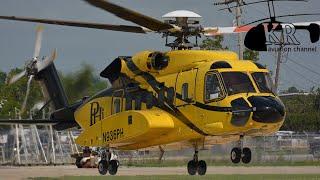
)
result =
(238, 23)
(278, 63)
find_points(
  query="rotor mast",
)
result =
(188, 22)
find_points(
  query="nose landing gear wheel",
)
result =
(103, 167)
(192, 167)
(202, 168)
(246, 155)
(78, 162)
(113, 167)
(235, 155)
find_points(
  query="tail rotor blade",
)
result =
(23, 108)
(47, 61)
(16, 77)
(37, 46)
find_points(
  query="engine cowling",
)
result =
(151, 61)
(157, 61)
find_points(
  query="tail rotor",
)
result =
(33, 66)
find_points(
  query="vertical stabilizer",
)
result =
(52, 87)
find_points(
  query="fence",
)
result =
(31, 145)
(282, 147)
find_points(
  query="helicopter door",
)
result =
(117, 102)
(185, 87)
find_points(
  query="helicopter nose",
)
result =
(267, 109)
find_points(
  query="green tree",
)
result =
(14, 94)
(251, 55)
(302, 111)
(77, 85)
(292, 90)
(316, 102)
(3, 77)
(214, 43)
(82, 83)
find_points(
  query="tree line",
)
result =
(83, 82)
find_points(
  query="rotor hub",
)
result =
(189, 23)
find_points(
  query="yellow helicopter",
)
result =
(195, 97)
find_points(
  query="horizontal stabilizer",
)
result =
(65, 117)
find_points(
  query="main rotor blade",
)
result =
(130, 15)
(257, 2)
(288, 15)
(23, 108)
(47, 61)
(213, 31)
(16, 77)
(123, 28)
(37, 45)
(306, 23)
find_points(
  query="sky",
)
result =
(97, 47)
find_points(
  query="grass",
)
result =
(186, 177)
(176, 163)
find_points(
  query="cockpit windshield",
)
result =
(237, 82)
(263, 81)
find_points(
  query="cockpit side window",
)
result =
(263, 81)
(213, 88)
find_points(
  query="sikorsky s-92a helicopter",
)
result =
(193, 97)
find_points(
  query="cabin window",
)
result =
(149, 100)
(128, 103)
(116, 106)
(212, 87)
(137, 103)
(161, 96)
(129, 120)
(184, 91)
(170, 95)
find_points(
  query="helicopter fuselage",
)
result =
(160, 98)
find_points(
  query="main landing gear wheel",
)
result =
(78, 162)
(235, 155)
(246, 155)
(195, 166)
(103, 167)
(113, 167)
(202, 168)
(192, 167)
(238, 155)
(106, 164)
